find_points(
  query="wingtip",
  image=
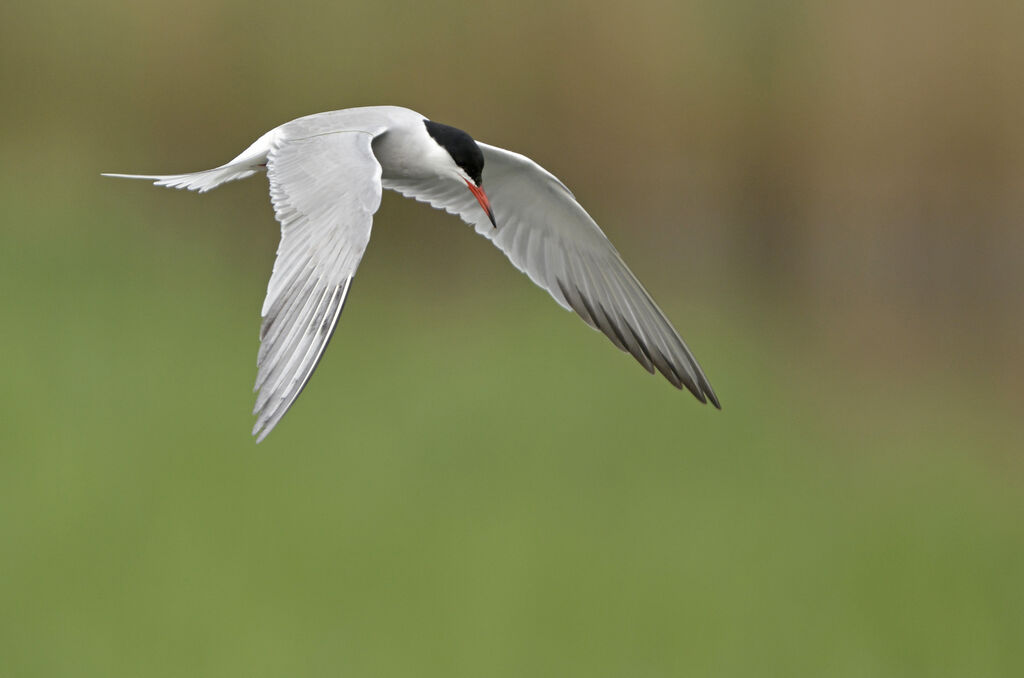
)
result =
(705, 386)
(261, 430)
(702, 391)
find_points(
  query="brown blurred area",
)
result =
(855, 166)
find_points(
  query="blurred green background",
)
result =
(826, 197)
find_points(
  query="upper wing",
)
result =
(550, 237)
(325, 190)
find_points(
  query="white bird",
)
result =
(327, 172)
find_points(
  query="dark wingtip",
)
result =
(702, 390)
(705, 386)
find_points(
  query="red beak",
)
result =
(481, 198)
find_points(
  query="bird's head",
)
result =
(467, 160)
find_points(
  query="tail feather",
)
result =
(197, 181)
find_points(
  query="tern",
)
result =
(327, 172)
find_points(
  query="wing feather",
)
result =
(547, 234)
(325, 188)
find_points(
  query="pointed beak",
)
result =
(481, 198)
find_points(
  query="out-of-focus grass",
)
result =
(469, 486)
(474, 483)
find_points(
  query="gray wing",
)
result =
(325, 190)
(550, 237)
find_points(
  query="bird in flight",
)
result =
(327, 172)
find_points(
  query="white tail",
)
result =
(197, 181)
(250, 161)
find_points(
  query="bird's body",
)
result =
(327, 172)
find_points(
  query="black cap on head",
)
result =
(460, 146)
